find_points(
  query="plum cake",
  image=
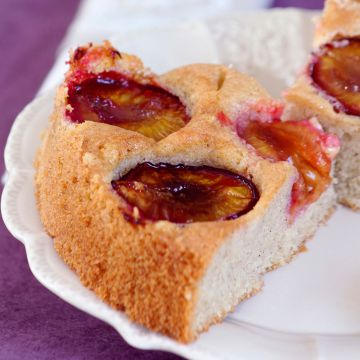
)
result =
(329, 90)
(170, 196)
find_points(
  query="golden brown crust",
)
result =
(340, 19)
(313, 103)
(150, 271)
(216, 89)
(96, 59)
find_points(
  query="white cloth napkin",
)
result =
(149, 28)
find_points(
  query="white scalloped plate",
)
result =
(309, 309)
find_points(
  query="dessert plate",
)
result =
(308, 309)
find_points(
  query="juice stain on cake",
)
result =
(113, 99)
(184, 194)
(335, 70)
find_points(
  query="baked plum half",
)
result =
(335, 70)
(184, 194)
(303, 145)
(111, 98)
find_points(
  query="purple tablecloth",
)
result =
(34, 323)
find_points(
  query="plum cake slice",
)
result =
(329, 90)
(170, 196)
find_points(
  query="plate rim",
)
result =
(149, 341)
